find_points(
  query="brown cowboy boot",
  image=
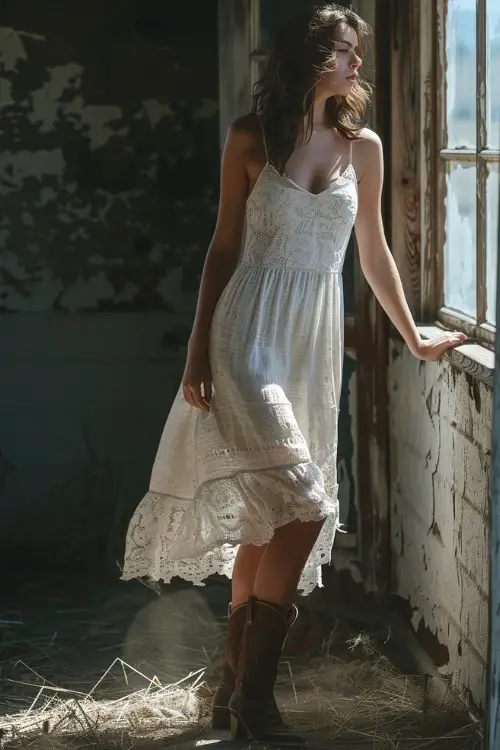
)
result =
(254, 713)
(220, 703)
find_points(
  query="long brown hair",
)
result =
(300, 54)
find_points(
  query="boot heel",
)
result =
(234, 725)
(254, 713)
(237, 729)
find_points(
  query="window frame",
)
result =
(435, 157)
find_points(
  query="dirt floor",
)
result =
(107, 664)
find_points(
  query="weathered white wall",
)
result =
(108, 167)
(440, 421)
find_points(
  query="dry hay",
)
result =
(351, 691)
(366, 698)
(58, 718)
(155, 689)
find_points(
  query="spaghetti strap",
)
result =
(350, 151)
(263, 137)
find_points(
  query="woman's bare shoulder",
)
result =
(367, 154)
(369, 139)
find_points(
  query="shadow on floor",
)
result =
(94, 663)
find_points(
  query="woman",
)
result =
(244, 482)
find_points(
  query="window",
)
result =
(467, 177)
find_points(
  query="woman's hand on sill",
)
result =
(432, 350)
(470, 356)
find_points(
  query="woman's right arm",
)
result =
(223, 252)
(220, 263)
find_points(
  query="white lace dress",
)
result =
(266, 453)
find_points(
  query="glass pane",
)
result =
(461, 73)
(460, 241)
(492, 207)
(493, 69)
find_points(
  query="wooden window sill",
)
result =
(474, 359)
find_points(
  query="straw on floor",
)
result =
(358, 694)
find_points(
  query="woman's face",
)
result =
(342, 78)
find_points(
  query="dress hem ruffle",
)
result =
(196, 538)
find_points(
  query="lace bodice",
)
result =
(289, 227)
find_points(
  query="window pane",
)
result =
(492, 206)
(493, 67)
(460, 241)
(461, 73)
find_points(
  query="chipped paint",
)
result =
(209, 108)
(155, 111)
(109, 178)
(97, 177)
(440, 464)
(16, 167)
(12, 48)
(5, 92)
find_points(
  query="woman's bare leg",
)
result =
(252, 706)
(243, 578)
(284, 559)
(245, 569)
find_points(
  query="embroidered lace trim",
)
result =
(196, 538)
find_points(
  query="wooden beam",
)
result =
(437, 216)
(494, 629)
(404, 143)
(350, 332)
(235, 50)
(366, 9)
(482, 170)
(427, 163)
(372, 357)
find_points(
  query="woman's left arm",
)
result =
(376, 260)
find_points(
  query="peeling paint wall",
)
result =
(440, 461)
(109, 166)
(109, 154)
